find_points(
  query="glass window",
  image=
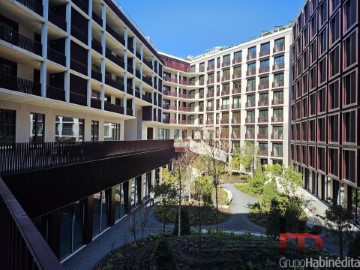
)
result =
(111, 132)
(7, 126)
(68, 129)
(94, 131)
(119, 202)
(350, 8)
(37, 126)
(100, 212)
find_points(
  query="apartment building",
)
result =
(77, 78)
(241, 92)
(325, 100)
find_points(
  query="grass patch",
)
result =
(245, 187)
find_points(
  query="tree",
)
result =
(338, 222)
(164, 256)
(184, 226)
(167, 194)
(246, 156)
(290, 180)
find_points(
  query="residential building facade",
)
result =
(325, 100)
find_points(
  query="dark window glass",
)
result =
(7, 126)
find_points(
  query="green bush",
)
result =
(354, 247)
(164, 256)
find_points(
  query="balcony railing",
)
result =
(210, 108)
(250, 136)
(169, 79)
(56, 56)
(113, 108)
(264, 52)
(79, 67)
(278, 101)
(55, 93)
(264, 86)
(19, 84)
(33, 5)
(225, 78)
(225, 107)
(201, 68)
(170, 93)
(276, 84)
(148, 63)
(277, 119)
(96, 46)
(23, 247)
(95, 103)
(209, 94)
(57, 19)
(250, 120)
(225, 92)
(77, 33)
(251, 72)
(263, 119)
(177, 66)
(20, 40)
(96, 75)
(237, 61)
(224, 121)
(263, 103)
(250, 104)
(236, 106)
(263, 152)
(115, 59)
(250, 88)
(236, 76)
(276, 153)
(212, 67)
(224, 135)
(278, 66)
(235, 136)
(210, 122)
(115, 35)
(183, 122)
(279, 48)
(97, 19)
(251, 56)
(262, 136)
(83, 5)
(20, 157)
(277, 136)
(236, 91)
(191, 109)
(114, 83)
(183, 109)
(226, 63)
(210, 81)
(264, 69)
(78, 99)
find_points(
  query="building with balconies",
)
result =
(325, 100)
(247, 83)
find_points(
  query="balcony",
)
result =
(210, 122)
(96, 75)
(264, 69)
(113, 108)
(225, 107)
(235, 136)
(210, 108)
(183, 109)
(277, 119)
(250, 136)
(96, 103)
(77, 66)
(55, 93)
(277, 84)
(115, 35)
(183, 95)
(236, 106)
(250, 88)
(236, 76)
(147, 98)
(250, 120)
(183, 82)
(173, 121)
(113, 83)
(191, 109)
(83, 5)
(96, 46)
(263, 152)
(225, 78)
(224, 121)
(278, 66)
(277, 136)
(56, 19)
(210, 68)
(33, 5)
(210, 81)
(19, 40)
(97, 19)
(148, 63)
(172, 107)
(225, 92)
(262, 136)
(224, 136)
(202, 68)
(226, 63)
(114, 58)
(279, 48)
(170, 93)
(183, 122)
(251, 56)
(264, 53)
(78, 99)
(264, 102)
(263, 119)
(56, 56)
(236, 91)
(250, 104)
(130, 47)
(237, 61)
(80, 35)
(19, 84)
(251, 72)
(277, 101)
(201, 109)
(263, 86)
(169, 79)
(130, 69)
(147, 80)
(276, 153)
(208, 95)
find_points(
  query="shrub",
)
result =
(354, 247)
(164, 256)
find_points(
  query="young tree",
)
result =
(338, 222)
(167, 194)
(246, 156)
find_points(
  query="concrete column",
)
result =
(67, 53)
(44, 42)
(89, 55)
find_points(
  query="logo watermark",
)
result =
(300, 237)
(346, 262)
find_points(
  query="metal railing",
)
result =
(21, 244)
(19, 157)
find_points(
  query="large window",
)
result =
(37, 127)
(350, 88)
(350, 19)
(100, 212)
(349, 130)
(164, 134)
(7, 126)
(111, 132)
(335, 28)
(68, 129)
(350, 50)
(94, 131)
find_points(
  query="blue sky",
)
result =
(190, 27)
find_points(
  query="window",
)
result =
(263, 116)
(265, 49)
(349, 128)
(312, 105)
(350, 50)
(312, 130)
(333, 5)
(278, 80)
(322, 100)
(349, 165)
(323, 41)
(334, 61)
(264, 83)
(237, 57)
(111, 132)
(333, 128)
(278, 115)
(277, 132)
(313, 78)
(277, 150)
(334, 95)
(69, 129)
(279, 62)
(313, 28)
(251, 85)
(279, 45)
(264, 65)
(7, 126)
(350, 19)
(322, 13)
(94, 131)
(322, 129)
(211, 64)
(251, 69)
(350, 83)
(226, 60)
(37, 126)
(334, 161)
(313, 52)
(322, 70)
(251, 53)
(335, 28)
